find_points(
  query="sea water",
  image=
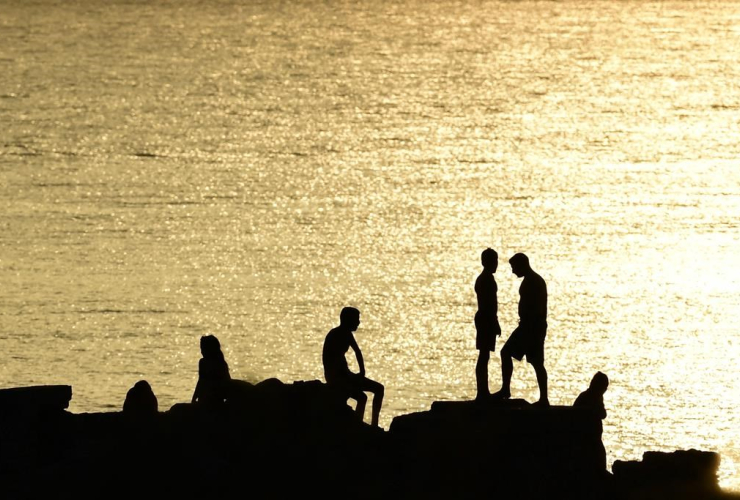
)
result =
(171, 169)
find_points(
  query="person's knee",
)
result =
(376, 388)
(505, 352)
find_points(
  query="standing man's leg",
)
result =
(481, 373)
(536, 358)
(507, 369)
(539, 370)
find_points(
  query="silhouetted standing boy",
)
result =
(528, 339)
(487, 327)
(336, 371)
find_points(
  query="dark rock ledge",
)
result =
(297, 440)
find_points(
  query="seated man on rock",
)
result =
(337, 372)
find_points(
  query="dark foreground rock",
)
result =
(507, 449)
(273, 441)
(679, 475)
(276, 440)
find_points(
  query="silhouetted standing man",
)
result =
(336, 371)
(487, 327)
(528, 339)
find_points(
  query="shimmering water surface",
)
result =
(175, 168)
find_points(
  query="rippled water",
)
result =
(170, 169)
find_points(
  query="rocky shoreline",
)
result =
(280, 440)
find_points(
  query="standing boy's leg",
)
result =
(539, 370)
(481, 373)
(361, 398)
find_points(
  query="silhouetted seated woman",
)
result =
(213, 374)
(215, 385)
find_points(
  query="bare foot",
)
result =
(502, 394)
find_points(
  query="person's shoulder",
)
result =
(485, 277)
(589, 398)
(330, 333)
(580, 399)
(334, 333)
(536, 278)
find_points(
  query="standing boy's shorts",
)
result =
(485, 332)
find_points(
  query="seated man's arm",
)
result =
(358, 355)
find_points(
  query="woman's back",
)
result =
(213, 373)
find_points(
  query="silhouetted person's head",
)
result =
(350, 318)
(519, 264)
(489, 259)
(210, 346)
(599, 383)
(144, 387)
(140, 399)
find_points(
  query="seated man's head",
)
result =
(350, 318)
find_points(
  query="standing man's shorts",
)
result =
(528, 339)
(485, 332)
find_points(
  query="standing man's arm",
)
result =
(542, 299)
(358, 355)
(497, 325)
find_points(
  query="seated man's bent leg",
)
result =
(361, 398)
(378, 391)
(340, 388)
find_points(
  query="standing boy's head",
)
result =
(489, 259)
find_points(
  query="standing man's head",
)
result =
(519, 264)
(350, 318)
(489, 259)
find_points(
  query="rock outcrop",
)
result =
(505, 449)
(276, 440)
(678, 475)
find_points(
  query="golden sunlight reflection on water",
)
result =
(247, 170)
